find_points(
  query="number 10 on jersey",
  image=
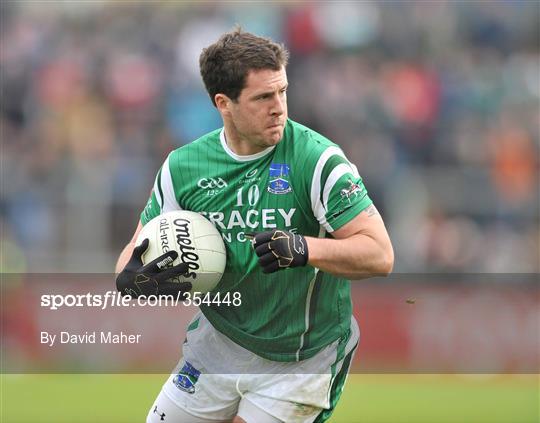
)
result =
(252, 196)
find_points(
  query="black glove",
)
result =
(151, 279)
(280, 249)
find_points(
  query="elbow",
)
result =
(387, 262)
(387, 267)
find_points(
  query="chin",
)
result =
(271, 142)
(275, 138)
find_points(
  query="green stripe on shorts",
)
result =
(337, 387)
(193, 325)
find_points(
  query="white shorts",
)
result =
(216, 377)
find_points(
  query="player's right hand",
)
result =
(138, 280)
(278, 250)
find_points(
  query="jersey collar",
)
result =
(242, 158)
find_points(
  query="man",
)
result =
(284, 353)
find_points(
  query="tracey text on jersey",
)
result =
(94, 337)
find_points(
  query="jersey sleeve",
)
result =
(338, 194)
(162, 198)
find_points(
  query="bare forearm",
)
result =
(124, 257)
(356, 257)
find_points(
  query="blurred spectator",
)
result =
(437, 103)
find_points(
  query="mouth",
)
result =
(276, 125)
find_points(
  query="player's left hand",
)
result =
(279, 249)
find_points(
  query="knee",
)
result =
(238, 419)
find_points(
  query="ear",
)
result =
(222, 103)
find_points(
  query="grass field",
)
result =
(367, 398)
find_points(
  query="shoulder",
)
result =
(307, 138)
(207, 142)
(313, 149)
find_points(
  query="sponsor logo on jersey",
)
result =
(279, 173)
(251, 173)
(211, 183)
(186, 378)
(250, 177)
(232, 224)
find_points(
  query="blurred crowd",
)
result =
(436, 102)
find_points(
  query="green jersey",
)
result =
(304, 184)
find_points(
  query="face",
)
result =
(257, 118)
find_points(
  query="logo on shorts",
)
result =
(279, 175)
(161, 415)
(186, 378)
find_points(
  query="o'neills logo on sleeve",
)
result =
(186, 250)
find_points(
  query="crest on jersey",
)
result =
(279, 175)
(186, 378)
(352, 191)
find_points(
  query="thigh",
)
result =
(199, 386)
(288, 398)
(250, 413)
(306, 391)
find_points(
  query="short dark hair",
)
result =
(225, 64)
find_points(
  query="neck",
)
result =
(239, 144)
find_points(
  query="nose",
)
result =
(278, 107)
